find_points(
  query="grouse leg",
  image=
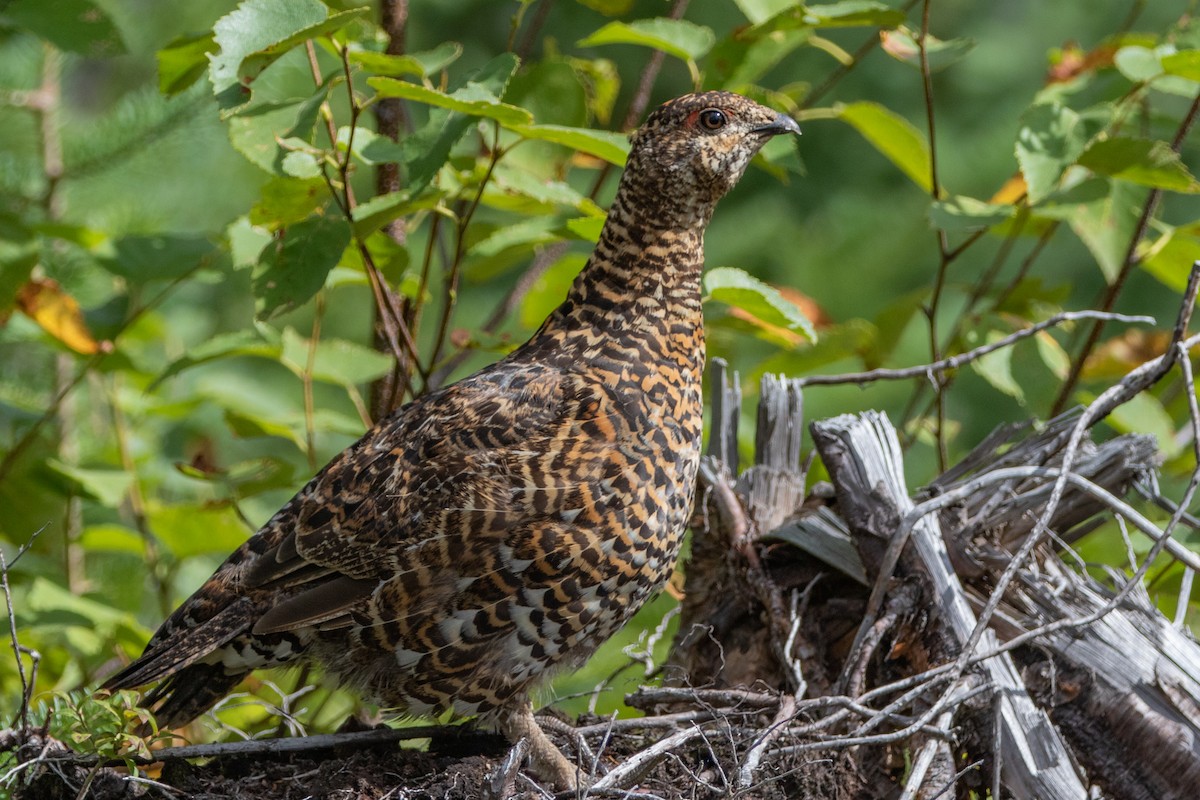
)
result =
(546, 759)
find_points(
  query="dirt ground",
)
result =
(456, 768)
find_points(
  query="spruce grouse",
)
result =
(506, 525)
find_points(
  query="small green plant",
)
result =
(109, 727)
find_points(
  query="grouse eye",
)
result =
(712, 119)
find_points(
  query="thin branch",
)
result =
(953, 362)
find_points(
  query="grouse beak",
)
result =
(781, 124)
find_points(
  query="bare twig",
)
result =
(953, 362)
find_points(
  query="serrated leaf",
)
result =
(1051, 138)
(893, 136)
(1144, 161)
(258, 32)
(996, 369)
(293, 268)
(736, 287)
(419, 64)
(183, 62)
(254, 26)
(612, 147)
(685, 40)
(472, 100)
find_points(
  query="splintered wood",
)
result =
(905, 662)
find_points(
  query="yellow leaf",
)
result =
(59, 315)
(1013, 190)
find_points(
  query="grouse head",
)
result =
(694, 149)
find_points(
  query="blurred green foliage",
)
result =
(195, 245)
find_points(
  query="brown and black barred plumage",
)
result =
(510, 523)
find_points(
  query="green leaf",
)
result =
(382, 209)
(140, 259)
(106, 486)
(1170, 258)
(429, 147)
(1144, 413)
(1138, 64)
(419, 64)
(335, 361)
(996, 369)
(759, 11)
(254, 26)
(258, 32)
(77, 26)
(370, 147)
(549, 290)
(1144, 161)
(286, 201)
(1185, 64)
(959, 212)
(194, 530)
(853, 13)
(224, 345)
(738, 288)
(1051, 138)
(893, 136)
(1106, 226)
(472, 100)
(610, 8)
(1053, 355)
(901, 44)
(745, 59)
(183, 62)
(112, 538)
(606, 145)
(293, 269)
(685, 40)
(298, 164)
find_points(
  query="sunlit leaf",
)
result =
(685, 40)
(472, 100)
(286, 201)
(549, 290)
(1051, 138)
(192, 530)
(612, 147)
(58, 314)
(1144, 161)
(1185, 64)
(1171, 256)
(419, 64)
(996, 369)
(1053, 355)
(736, 287)
(893, 136)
